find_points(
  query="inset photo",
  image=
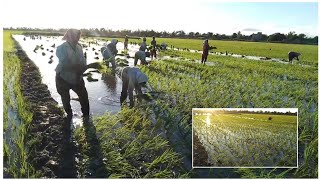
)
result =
(245, 137)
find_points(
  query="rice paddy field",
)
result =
(247, 140)
(154, 139)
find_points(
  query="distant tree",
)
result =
(276, 37)
(234, 35)
(191, 34)
(239, 35)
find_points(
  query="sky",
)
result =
(165, 15)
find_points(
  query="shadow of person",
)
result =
(96, 166)
(68, 154)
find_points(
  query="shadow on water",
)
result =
(111, 82)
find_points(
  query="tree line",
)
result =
(291, 37)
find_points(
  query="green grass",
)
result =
(16, 153)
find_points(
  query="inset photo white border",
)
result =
(281, 110)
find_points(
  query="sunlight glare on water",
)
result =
(208, 120)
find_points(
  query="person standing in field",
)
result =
(69, 70)
(205, 51)
(126, 41)
(141, 54)
(143, 45)
(132, 79)
(153, 51)
(109, 53)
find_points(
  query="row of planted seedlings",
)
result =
(129, 144)
(242, 83)
(16, 117)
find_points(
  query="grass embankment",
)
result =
(16, 116)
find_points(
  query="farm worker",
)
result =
(143, 45)
(69, 70)
(132, 79)
(205, 51)
(293, 55)
(142, 56)
(164, 46)
(153, 51)
(109, 53)
(126, 40)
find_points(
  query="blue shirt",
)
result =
(143, 46)
(72, 63)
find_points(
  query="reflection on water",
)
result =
(111, 82)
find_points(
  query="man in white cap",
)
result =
(132, 79)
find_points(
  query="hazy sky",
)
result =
(196, 15)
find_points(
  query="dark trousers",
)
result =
(204, 58)
(153, 53)
(143, 62)
(125, 86)
(124, 92)
(63, 89)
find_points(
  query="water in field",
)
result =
(104, 95)
(256, 58)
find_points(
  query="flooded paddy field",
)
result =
(154, 138)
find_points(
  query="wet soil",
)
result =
(200, 156)
(48, 136)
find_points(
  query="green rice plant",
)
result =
(16, 164)
(238, 83)
(129, 147)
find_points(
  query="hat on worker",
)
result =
(71, 34)
(114, 41)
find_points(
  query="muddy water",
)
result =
(103, 95)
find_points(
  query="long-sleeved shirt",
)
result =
(113, 48)
(134, 76)
(72, 63)
(143, 46)
(153, 42)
